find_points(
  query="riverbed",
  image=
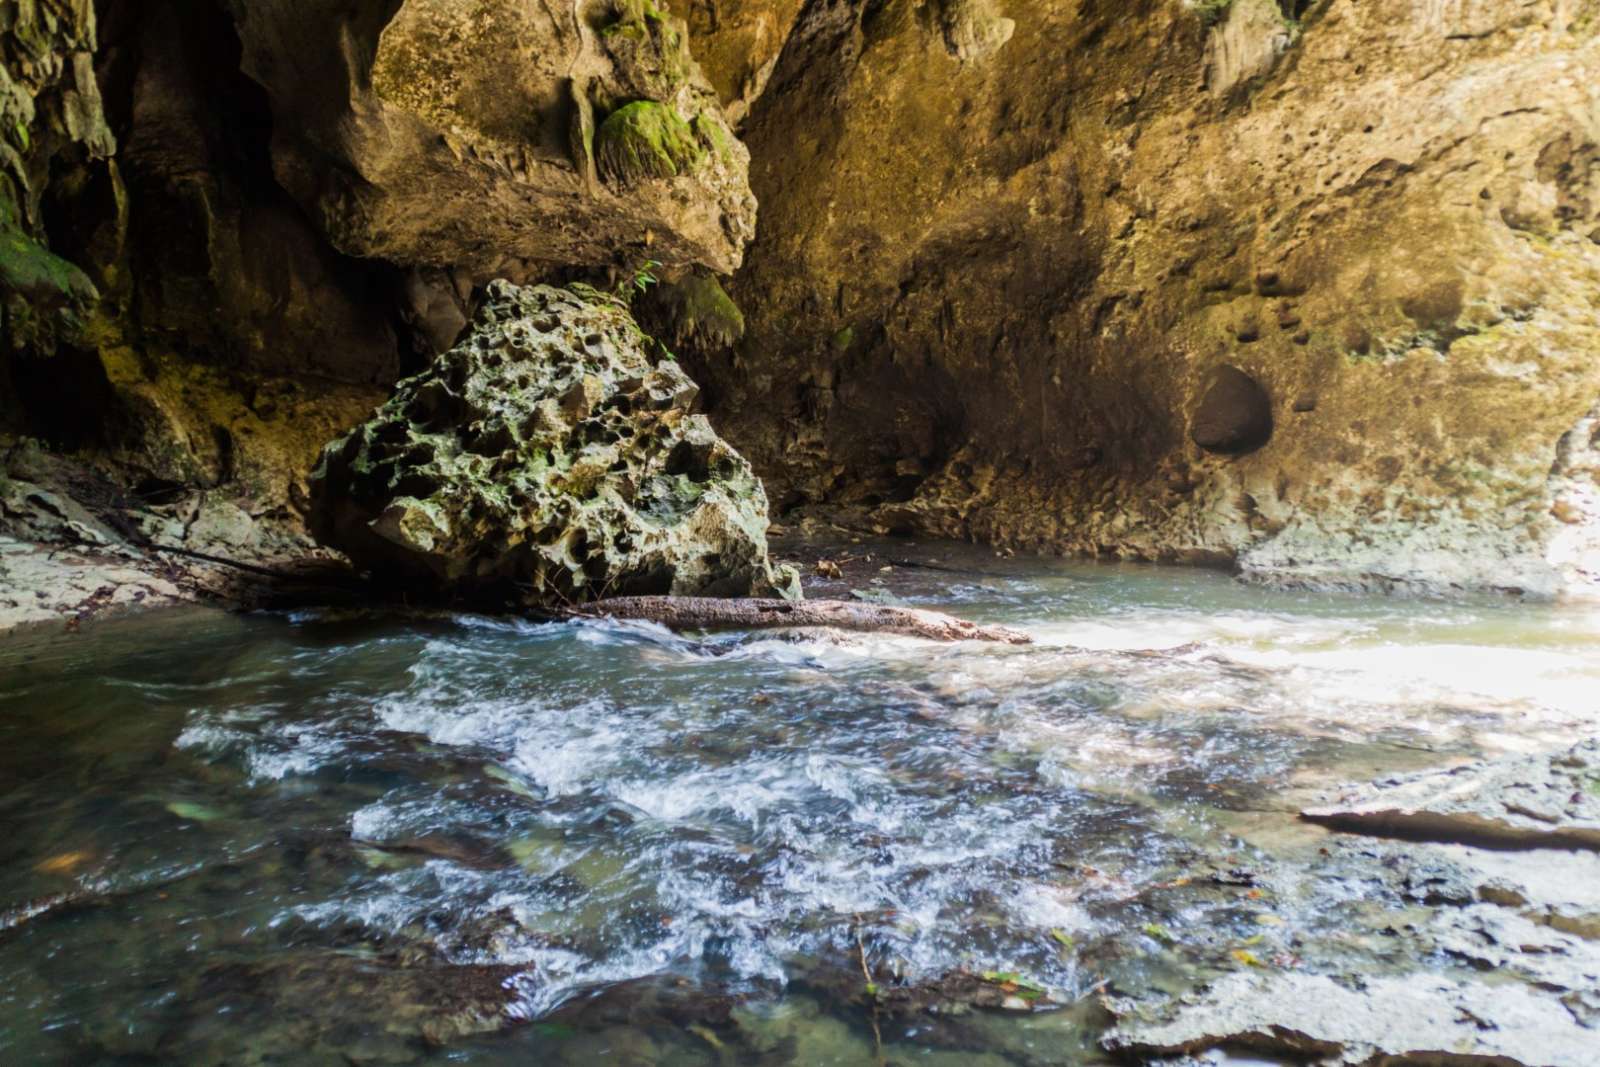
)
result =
(333, 835)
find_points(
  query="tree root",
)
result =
(714, 613)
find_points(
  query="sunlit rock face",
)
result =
(550, 457)
(737, 43)
(440, 133)
(993, 288)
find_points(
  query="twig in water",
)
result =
(872, 994)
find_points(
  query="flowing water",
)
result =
(344, 837)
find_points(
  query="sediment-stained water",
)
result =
(341, 837)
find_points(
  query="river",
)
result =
(342, 836)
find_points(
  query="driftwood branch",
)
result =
(714, 613)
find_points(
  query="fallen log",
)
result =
(715, 613)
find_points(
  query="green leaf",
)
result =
(1063, 938)
(196, 812)
(378, 860)
(1160, 933)
(1012, 978)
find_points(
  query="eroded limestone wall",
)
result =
(991, 292)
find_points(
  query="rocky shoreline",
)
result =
(1501, 884)
(76, 545)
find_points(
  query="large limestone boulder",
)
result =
(549, 454)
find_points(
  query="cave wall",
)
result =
(1309, 287)
(467, 135)
(1000, 268)
(50, 123)
(219, 338)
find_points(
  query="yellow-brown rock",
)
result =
(1018, 274)
(451, 134)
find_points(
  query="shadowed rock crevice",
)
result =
(1234, 416)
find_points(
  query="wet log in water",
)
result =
(714, 613)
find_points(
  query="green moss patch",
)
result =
(702, 311)
(712, 134)
(30, 269)
(643, 140)
(35, 284)
(1212, 12)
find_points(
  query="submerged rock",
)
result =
(358, 1006)
(548, 454)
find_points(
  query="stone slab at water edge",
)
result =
(548, 458)
(1538, 801)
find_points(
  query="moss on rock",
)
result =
(713, 134)
(649, 50)
(1211, 12)
(703, 312)
(35, 284)
(645, 139)
(28, 268)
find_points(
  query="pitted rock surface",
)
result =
(1417, 1018)
(548, 457)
